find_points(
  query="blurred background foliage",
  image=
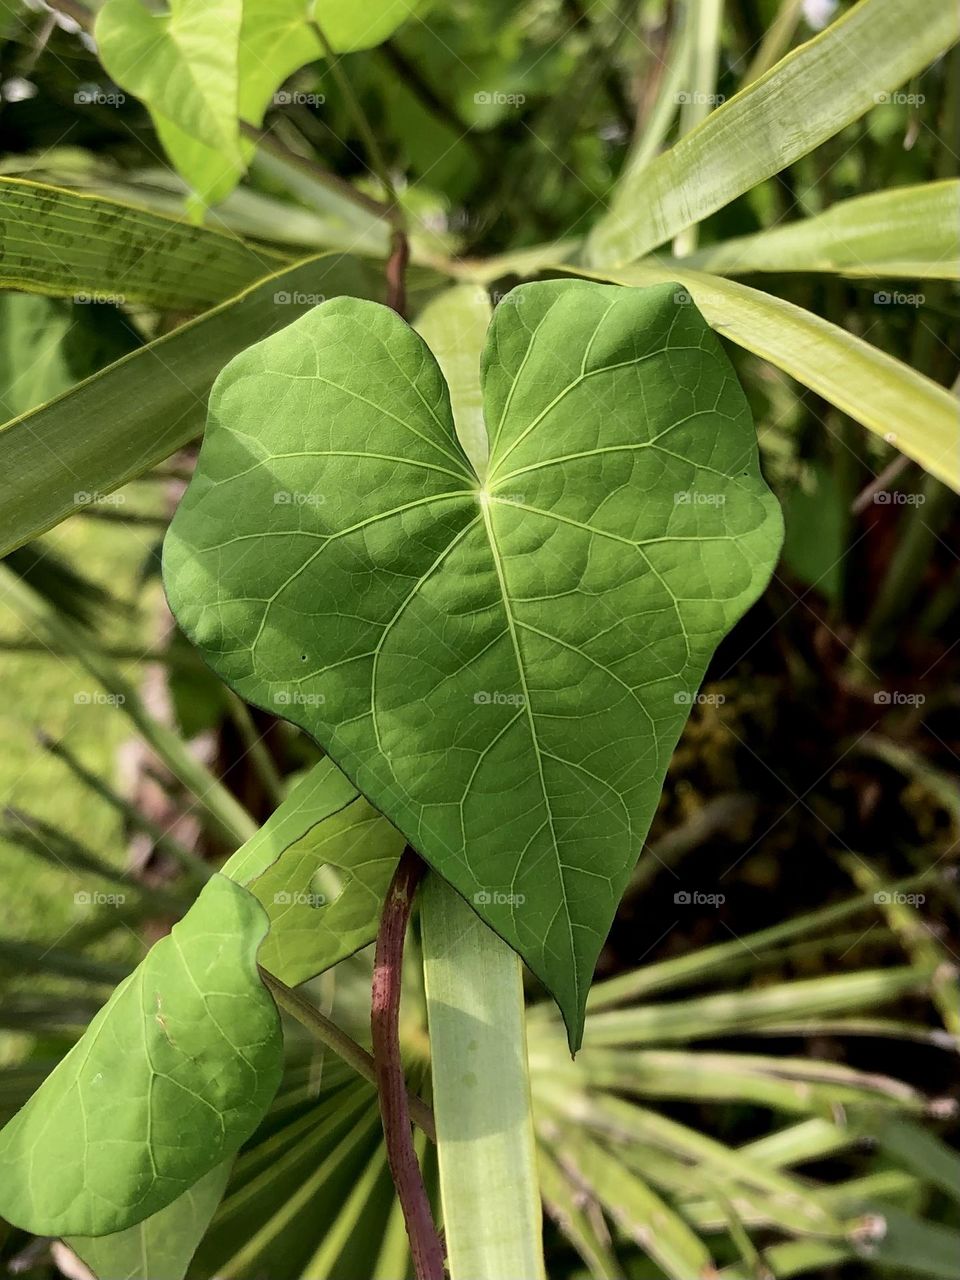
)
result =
(771, 1067)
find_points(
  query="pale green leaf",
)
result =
(183, 63)
(481, 1093)
(320, 867)
(913, 232)
(805, 99)
(514, 655)
(173, 1074)
(454, 325)
(349, 25)
(902, 406)
(161, 1245)
(205, 66)
(325, 893)
(125, 419)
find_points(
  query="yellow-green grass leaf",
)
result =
(911, 232)
(809, 96)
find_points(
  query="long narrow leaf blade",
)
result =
(911, 232)
(72, 244)
(810, 95)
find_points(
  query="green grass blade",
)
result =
(71, 244)
(886, 396)
(481, 1093)
(136, 412)
(911, 232)
(639, 1212)
(809, 96)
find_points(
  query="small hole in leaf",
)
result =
(303, 657)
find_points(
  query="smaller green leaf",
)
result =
(173, 1074)
(183, 65)
(161, 1245)
(325, 893)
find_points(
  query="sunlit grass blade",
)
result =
(638, 1211)
(740, 1012)
(911, 232)
(888, 397)
(810, 95)
(569, 1207)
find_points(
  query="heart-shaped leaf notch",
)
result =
(501, 659)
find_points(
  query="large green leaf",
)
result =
(72, 244)
(907, 231)
(900, 405)
(138, 411)
(502, 665)
(172, 1075)
(806, 98)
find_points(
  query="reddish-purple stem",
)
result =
(397, 273)
(392, 1087)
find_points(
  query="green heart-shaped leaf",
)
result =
(171, 1076)
(180, 1065)
(504, 663)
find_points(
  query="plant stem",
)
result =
(372, 146)
(328, 1033)
(486, 1146)
(425, 1244)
